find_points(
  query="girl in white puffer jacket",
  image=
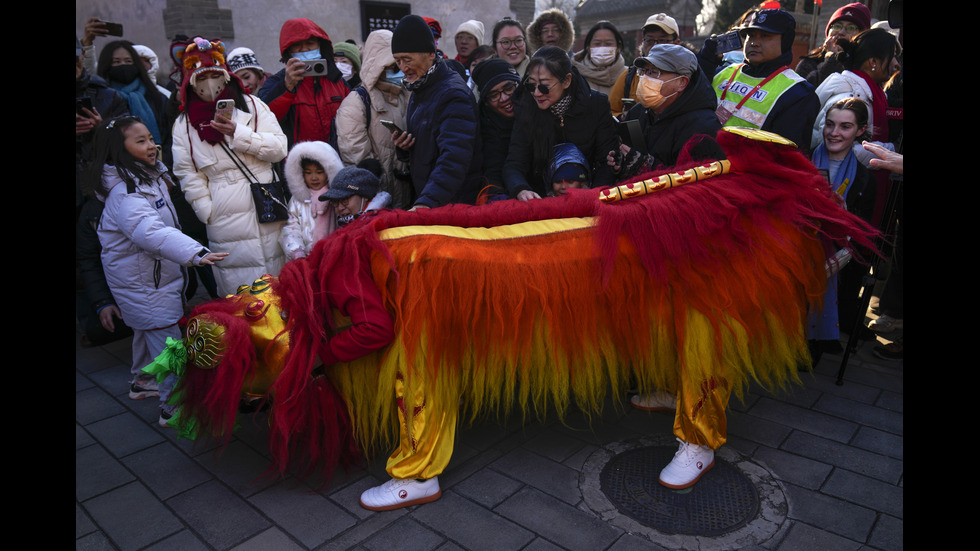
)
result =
(143, 250)
(310, 166)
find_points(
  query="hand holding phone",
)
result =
(390, 126)
(223, 110)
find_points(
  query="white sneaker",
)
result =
(401, 492)
(658, 401)
(689, 463)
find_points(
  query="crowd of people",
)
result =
(170, 173)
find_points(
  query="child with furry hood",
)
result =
(310, 166)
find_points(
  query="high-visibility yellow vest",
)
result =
(754, 111)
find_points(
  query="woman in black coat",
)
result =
(557, 106)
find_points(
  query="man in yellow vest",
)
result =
(764, 92)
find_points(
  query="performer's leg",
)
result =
(700, 426)
(425, 448)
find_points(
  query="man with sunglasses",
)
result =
(497, 82)
(658, 29)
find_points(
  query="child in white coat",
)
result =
(310, 167)
(144, 253)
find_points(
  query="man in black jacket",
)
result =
(676, 102)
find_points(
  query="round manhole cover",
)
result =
(722, 501)
(735, 505)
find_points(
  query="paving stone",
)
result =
(844, 456)
(866, 415)
(271, 539)
(132, 517)
(124, 434)
(884, 443)
(183, 540)
(820, 424)
(239, 466)
(222, 518)
(868, 492)
(302, 513)
(830, 513)
(803, 537)
(93, 404)
(165, 470)
(470, 525)
(405, 534)
(552, 478)
(793, 468)
(560, 523)
(97, 472)
(488, 488)
(888, 534)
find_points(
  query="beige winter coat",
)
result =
(221, 196)
(356, 139)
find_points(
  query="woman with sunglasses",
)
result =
(556, 106)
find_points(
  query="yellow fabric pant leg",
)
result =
(426, 446)
(700, 416)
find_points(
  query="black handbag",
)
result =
(270, 199)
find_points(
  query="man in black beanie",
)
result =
(442, 139)
(497, 82)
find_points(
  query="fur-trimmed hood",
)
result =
(319, 152)
(556, 16)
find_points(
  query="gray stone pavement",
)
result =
(827, 460)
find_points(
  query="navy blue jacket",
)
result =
(446, 160)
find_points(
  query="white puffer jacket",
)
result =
(356, 140)
(143, 250)
(834, 88)
(296, 238)
(221, 197)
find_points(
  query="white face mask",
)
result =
(603, 55)
(346, 69)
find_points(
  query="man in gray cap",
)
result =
(676, 102)
(659, 29)
(764, 92)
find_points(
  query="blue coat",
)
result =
(446, 159)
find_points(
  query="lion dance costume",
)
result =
(401, 324)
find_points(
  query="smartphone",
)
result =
(224, 109)
(630, 134)
(316, 68)
(728, 42)
(390, 126)
(113, 29)
(83, 103)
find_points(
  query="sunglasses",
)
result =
(540, 87)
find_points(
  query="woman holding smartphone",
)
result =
(210, 151)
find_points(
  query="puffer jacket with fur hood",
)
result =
(558, 17)
(307, 212)
(358, 139)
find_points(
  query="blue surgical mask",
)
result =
(394, 77)
(308, 55)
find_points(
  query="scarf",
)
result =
(201, 113)
(561, 106)
(134, 92)
(604, 76)
(324, 218)
(841, 180)
(879, 106)
(420, 82)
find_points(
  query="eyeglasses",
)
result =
(649, 71)
(530, 86)
(655, 41)
(850, 28)
(508, 89)
(506, 42)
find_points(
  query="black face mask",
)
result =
(123, 74)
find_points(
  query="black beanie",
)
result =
(412, 35)
(489, 72)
